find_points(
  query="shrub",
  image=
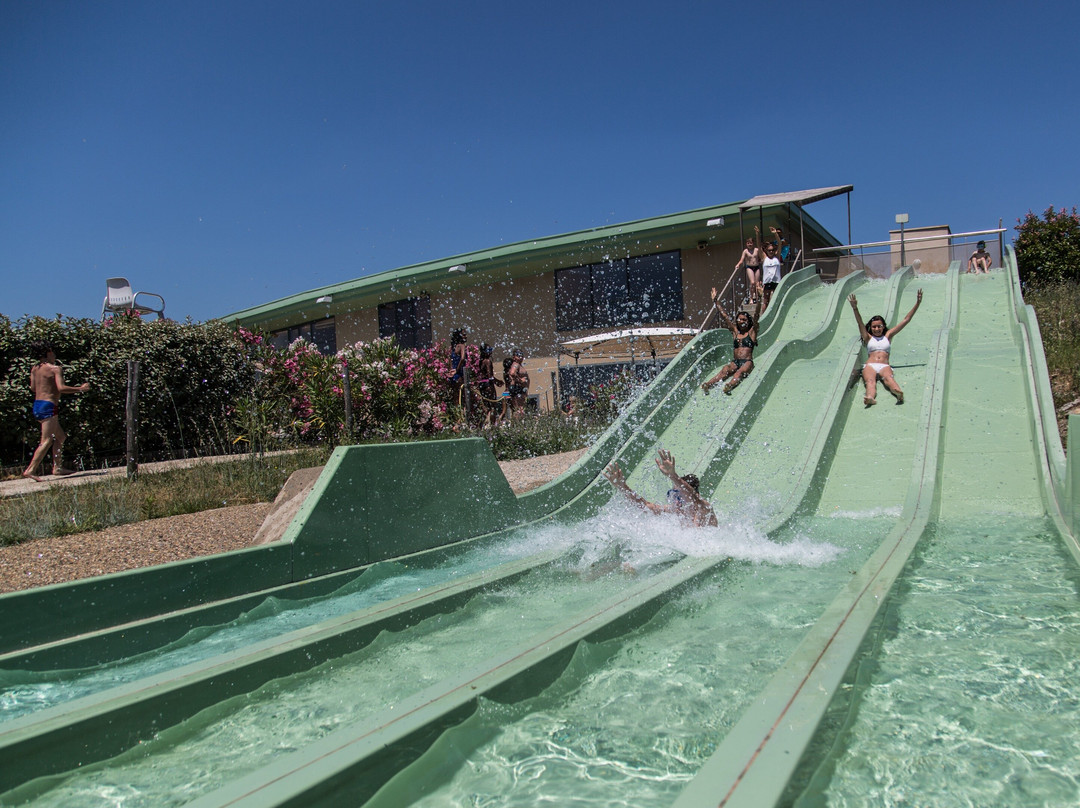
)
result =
(190, 376)
(1048, 249)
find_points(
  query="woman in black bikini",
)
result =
(744, 331)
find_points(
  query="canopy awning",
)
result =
(798, 197)
(630, 341)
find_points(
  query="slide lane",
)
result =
(990, 599)
(753, 763)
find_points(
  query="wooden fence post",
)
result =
(347, 389)
(132, 420)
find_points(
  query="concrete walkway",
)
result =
(21, 486)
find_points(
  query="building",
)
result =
(536, 295)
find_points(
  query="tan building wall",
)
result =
(932, 255)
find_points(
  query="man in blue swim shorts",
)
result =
(47, 385)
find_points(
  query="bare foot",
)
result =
(705, 388)
(728, 388)
(900, 397)
(33, 477)
(869, 402)
(62, 472)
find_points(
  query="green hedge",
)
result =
(190, 376)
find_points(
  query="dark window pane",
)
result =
(573, 299)
(406, 323)
(654, 286)
(387, 319)
(609, 293)
(423, 322)
(409, 321)
(324, 335)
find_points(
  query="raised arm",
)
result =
(666, 463)
(725, 319)
(614, 475)
(907, 319)
(863, 333)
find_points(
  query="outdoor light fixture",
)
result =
(325, 299)
(717, 222)
(457, 268)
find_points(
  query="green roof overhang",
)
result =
(719, 224)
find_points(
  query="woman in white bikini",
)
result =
(877, 337)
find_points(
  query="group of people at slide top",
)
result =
(684, 499)
(762, 264)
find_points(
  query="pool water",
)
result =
(634, 718)
(971, 695)
(24, 692)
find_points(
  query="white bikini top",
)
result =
(878, 344)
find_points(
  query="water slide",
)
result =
(424, 637)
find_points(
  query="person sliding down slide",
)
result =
(744, 332)
(683, 500)
(877, 337)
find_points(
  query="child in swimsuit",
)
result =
(744, 333)
(877, 337)
(750, 260)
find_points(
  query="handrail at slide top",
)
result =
(754, 762)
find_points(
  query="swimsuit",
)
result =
(738, 363)
(44, 410)
(878, 344)
(745, 342)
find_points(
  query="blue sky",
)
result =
(225, 154)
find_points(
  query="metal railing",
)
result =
(924, 254)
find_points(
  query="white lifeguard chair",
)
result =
(119, 299)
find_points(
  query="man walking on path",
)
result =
(47, 385)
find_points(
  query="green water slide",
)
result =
(794, 440)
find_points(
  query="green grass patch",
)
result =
(64, 509)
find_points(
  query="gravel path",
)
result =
(175, 538)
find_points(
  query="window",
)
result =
(632, 291)
(408, 320)
(320, 333)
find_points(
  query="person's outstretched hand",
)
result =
(614, 475)
(666, 463)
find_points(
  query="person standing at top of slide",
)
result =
(47, 385)
(751, 260)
